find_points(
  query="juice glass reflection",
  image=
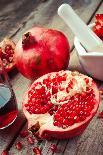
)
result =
(8, 104)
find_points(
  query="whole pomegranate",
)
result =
(41, 51)
(60, 104)
(7, 47)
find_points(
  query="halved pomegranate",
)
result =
(60, 104)
(7, 47)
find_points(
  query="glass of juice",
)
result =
(8, 104)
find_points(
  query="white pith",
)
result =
(46, 120)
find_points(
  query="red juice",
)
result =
(8, 106)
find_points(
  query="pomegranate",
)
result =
(41, 51)
(98, 27)
(60, 104)
(7, 47)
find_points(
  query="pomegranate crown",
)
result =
(28, 40)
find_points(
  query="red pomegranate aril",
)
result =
(65, 122)
(24, 133)
(56, 116)
(70, 122)
(100, 115)
(86, 113)
(5, 152)
(53, 148)
(30, 140)
(82, 117)
(81, 113)
(86, 80)
(43, 110)
(56, 123)
(18, 145)
(54, 89)
(37, 151)
(76, 119)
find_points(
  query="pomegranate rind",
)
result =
(47, 129)
(7, 41)
(49, 54)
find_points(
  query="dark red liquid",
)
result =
(8, 106)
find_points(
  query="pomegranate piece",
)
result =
(62, 113)
(24, 133)
(36, 151)
(7, 47)
(5, 152)
(98, 28)
(19, 146)
(41, 51)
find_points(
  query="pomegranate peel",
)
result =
(7, 47)
(40, 51)
(76, 107)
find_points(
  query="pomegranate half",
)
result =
(7, 47)
(40, 51)
(60, 104)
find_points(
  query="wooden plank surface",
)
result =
(43, 14)
(46, 15)
(46, 146)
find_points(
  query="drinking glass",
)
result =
(8, 104)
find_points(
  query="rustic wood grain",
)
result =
(37, 14)
(46, 15)
(13, 13)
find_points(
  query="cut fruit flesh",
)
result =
(62, 103)
(7, 47)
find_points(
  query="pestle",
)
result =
(90, 41)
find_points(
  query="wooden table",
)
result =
(15, 18)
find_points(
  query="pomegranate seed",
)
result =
(37, 151)
(100, 115)
(5, 152)
(19, 145)
(65, 122)
(54, 89)
(76, 119)
(24, 133)
(86, 80)
(53, 148)
(30, 140)
(82, 118)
